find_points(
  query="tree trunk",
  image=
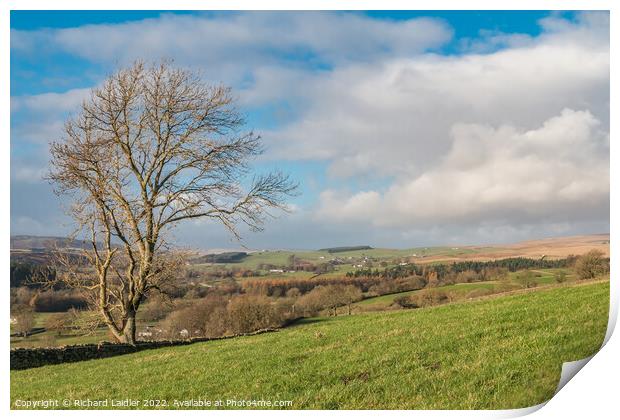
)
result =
(129, 333)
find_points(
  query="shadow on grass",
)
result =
(305, 321)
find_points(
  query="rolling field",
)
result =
(463, 291)
(552, 248)
(51, 339)
(496, 353)
(281, 257)
(455, 291)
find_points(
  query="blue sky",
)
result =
(29, 72)
(403, 128)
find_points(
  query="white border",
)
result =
(594, 392)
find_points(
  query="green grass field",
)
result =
(455, 291)
(280, 258)
(52, 339)
(547, 275)
(461, 291)
(496, 353)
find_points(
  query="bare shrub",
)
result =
(467, 276)
(23, 319)
(397, 285)
(218, 323)
(190, 321)
(85, 322)
(527, 279)
(312, 302)
(329, 297)
(293, 293)
(432, 297)
(156, 308)
(406, 302)
(560, 277)
(591, 265)
(249, 313)
(58, 323)
(21, 295)
(348, 295)
(425, 298)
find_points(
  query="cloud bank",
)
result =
(506, 137)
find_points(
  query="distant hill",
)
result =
(222, 258)
(42, 243)
(30, 249)
(346, 249)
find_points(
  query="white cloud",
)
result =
(394, 117)
(39, 119)
(510, 138)
(27, 172)
(246, 50)
(559, 170)
(515, 137)
(59, 102)
(227, 44)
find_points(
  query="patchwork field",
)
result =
(551, 248)
(503, 352)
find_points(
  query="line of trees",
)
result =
(372, 285)
(329, 297)
(216, 316)
(29, 274)
(443, 271)
(219, 315)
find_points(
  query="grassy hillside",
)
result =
(495, 353)
(456, 291)
(280, 257)
(461, 291)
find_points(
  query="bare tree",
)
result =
(527, 278)
(152, 147)
(591, 265)
(351, 294)
(24, 319)
(58, 322)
